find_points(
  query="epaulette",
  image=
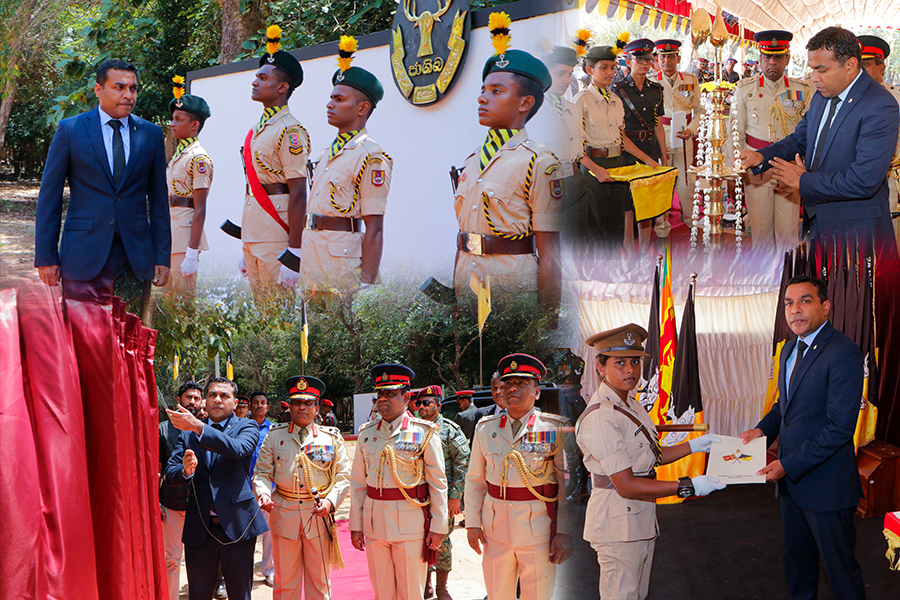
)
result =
(452, 424)
(329, 429)
(553, 416)
(423, 422)
(656, 83)
(488, 418)
(370, 423)
(800, 81)
(278, 426)
(747, 80)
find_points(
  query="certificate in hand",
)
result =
(733, 461)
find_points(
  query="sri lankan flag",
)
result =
(667, 344)
(648, 389)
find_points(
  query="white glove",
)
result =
(703, 443)
(242, 266)
(287, 278)
(705, 485)
(191, 262)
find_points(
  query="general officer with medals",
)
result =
(398, 491)
(349, 187)
(275, 153)
(644, 106)
(621, 451)
(188, 177)
(509, 198)
(768, 108)
(681, 94)
(513, 486)
(309, 468)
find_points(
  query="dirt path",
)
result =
(17, 207)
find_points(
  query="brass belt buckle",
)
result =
(474, 244)
(311, 220)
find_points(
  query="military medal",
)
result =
(319, 452)
(408, 440)
(538, 442)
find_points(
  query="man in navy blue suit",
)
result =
(222, 518)
(117, 221)
(819, 388)
(847, 138)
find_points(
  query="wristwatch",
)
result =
(685, 487)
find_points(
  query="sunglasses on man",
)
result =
(425, 403)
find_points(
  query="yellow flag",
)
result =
(175, 367)
(623, 4)
(483, 290)
(638, 11)
(229, 368)
(304, 333)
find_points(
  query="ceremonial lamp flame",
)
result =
(712, 137)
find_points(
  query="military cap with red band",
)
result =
(668, 46)
(391, 376)
(431, 390)
(774, 41)
(873, 46)
(465, 394)
(521, 365)
(304, 387)
(243, 401)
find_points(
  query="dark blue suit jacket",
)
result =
(815, 420)
(850, 188)
(224, 480)
(139, 206)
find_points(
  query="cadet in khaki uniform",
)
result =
(513, 488)
(278, 152)
(188, 177)
(296, 458)
(350, 186)
(509, 198)
(768, 109)
(397, 517)
(681, 94)
(621, 450)
(874, 51)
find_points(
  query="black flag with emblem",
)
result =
(649, 385)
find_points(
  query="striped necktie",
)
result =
(340, 141)
(556, 103)
(494, 141)
(268, 114)
(182, 144)
(603, 92)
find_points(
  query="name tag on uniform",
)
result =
(319, 452)
(409, 441)
(539, 442)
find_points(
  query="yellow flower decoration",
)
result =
(273, 39)
(710, 86)
(178, 88)
(581, 42)
(346, 47)
(498, 24)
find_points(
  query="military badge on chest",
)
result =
(408, 441)
(319, 452)
(538, 442)
(429, 43)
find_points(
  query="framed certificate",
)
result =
(733, 461)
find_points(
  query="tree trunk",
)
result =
(9, 97)
(237, 27)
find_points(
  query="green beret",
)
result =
(561, 56)
(520, 63)
(195, 105)
(287, 63)
(601, 53)
(360, 79)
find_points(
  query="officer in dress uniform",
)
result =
(514, 489)
(275, 154)
(621, 450)
(188, 177)
(350, 187)
(874, 51)
(398, 491)
(644, 106)
(769, 107)
(681, 93)
(298, 458)
(730, 75)
(509, 198)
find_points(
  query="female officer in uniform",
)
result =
(621, 450)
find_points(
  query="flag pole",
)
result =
(480, 360)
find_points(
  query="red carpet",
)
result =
(351, 582)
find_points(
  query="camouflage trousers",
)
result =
(444, 555)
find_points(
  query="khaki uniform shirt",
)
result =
(561, 132)
(524, 194)
(767, 110)
(603, 119)
(279, 151)
(189, 170)
(610, 444)
(518, 523)
(279, 462)
(397, 520)
(681, 94)
(355, 184)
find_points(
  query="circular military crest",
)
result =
(513, 365)
(301, 385)
(629, 339)
(429, 44)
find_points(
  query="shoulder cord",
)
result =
(529, 176)
(263, 166)
(389, 456)
(356, 183)
(528, 474)
(303, 463)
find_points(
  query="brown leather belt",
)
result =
(604, 482)
(757, 143)
(598, 152)
(273, 189)
(324, 223)
(478, 244)
(522, 494)
(420, 492)
(181, 201)
(640, 134)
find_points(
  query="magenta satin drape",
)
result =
(79, 515)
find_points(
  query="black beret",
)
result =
(195, 105)
(287, 63)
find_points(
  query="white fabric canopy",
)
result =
(804, 18)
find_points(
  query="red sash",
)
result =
(262, 198)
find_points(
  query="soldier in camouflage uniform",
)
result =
(456, 460)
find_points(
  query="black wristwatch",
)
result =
(685, 487)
